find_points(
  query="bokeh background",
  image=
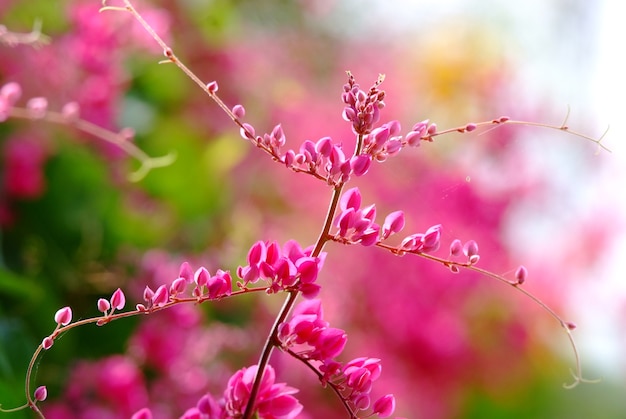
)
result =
(453, 346)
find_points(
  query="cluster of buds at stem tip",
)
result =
(311, 338)
(326, 159)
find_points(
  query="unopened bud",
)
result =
(520, 275)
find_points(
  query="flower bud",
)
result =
(41, 393)
(212, 87)
(118, 299)
(385, 406)
(239, 111)
(520, 275)
(103, 305)
(63, 316)
(47, 343)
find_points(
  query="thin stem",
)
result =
(171, 57)
(272, 339)
(332, 385)
(578, 374)
(102, 320)
(118, 139)
(505, 121)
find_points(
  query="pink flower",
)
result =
(274, 400)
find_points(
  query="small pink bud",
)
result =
(394, 223)
(413, 138)
(470, 249)
(456, 248)
(503, 119)
(178, 286)
(454, 269)
(473, 260)
(11, 92)
(360, 164)
(289, 158)
(247, 132)
(103, 305)
(350, 199)
(520, 275)
(362, 401)
(47, 343)
(385, 406)
(432, 128)
(186, 272)
(393, 146)
(41, 393)
(70, 111)
(570, 325)
(324, 146)
(63, 316)
(431, 238)
(148, 294)
(161, 296)
(202, 276)
(38, 106)
(239, 111)
(118, 299)
(257, 253)
(421, 126)
(470, 127)
(212, 87)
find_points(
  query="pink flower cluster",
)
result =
(312, 339)
(291, 268)
(357, 225)
(274, 401)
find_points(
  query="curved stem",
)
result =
(566, 326)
